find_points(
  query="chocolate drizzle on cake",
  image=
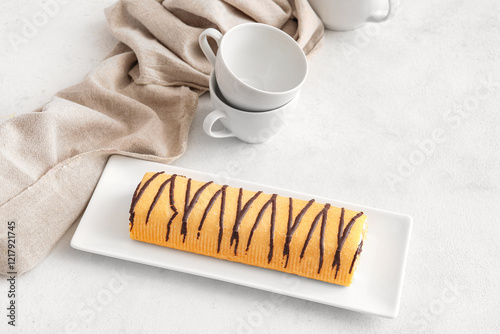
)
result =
(172, 206)
(322, 236)
(241, 210)
(137, 196)
(240, 213)
(209, 206)
(292, 228)
(341, 238)
(221, 217)
(157, 196)
(272, 201)
(358, 251)
(132, 206)
(324, 215)
(189, 205)
(271, 231)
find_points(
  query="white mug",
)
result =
(342, 15)
(258, 66)
(247, 126)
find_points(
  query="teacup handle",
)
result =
(380, 18)
(210, 121)
(205, 47)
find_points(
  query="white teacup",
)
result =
(345, 15)
(258, 67)
(247, 126)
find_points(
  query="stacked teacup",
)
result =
(254, 88)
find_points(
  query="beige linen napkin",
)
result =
(139, 102)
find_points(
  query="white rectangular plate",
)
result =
(376, 289)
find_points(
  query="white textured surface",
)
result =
(371, 96)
